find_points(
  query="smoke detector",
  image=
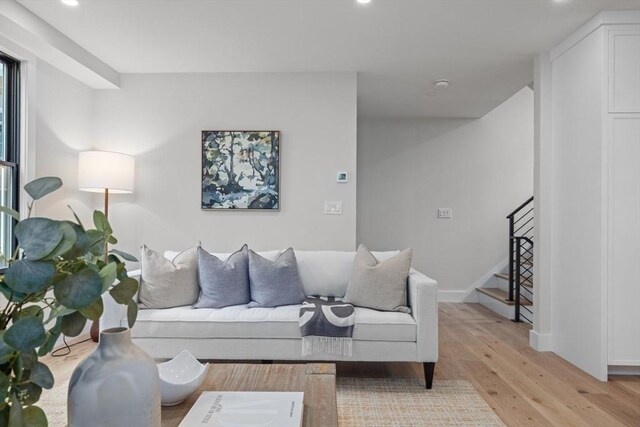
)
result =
(441, 83)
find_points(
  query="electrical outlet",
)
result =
(333, 208)
(445, 213)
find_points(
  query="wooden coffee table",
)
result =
(316, 380)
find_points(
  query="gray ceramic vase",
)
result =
(117, 385)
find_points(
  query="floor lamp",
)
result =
(109, 173)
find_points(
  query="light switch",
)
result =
(333, 208)
(445, 213)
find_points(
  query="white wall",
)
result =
(63, 128)
(481, 168)
(158, 118)
(540, 335)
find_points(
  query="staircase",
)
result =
(510, 293)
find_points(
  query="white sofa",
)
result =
(241, 333)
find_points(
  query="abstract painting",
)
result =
(240, 170)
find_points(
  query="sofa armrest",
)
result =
(113, 312)
(423, 299)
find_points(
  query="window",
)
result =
(9, 145)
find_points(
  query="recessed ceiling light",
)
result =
(441, 83)
(70, 2)
(363, 1)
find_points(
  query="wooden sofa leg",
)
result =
(429, 368)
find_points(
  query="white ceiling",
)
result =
(398, 47)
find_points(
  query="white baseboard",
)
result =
(624, 370)
(540, 342)
(469, 295)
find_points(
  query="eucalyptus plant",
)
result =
(53, 285)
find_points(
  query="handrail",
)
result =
(519, 208)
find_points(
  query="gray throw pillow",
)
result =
(274, 283)
(223, 283)
(379, 285)
(168, 283)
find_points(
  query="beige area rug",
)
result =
(403, 403)
(369, 402)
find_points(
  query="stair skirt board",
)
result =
(501, 308)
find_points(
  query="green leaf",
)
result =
(108, 275)
(10, 294)
(12, 212)
(67, 242)
(4, 386)
(96, 242)
(82, 243)
(29, 393)
(102, 223)
(6, 352)
(132, 313)
(76, 217)
(124, 255)
(35, 417)
(52, 338)
(32, 310)
(25, 334)
(29, 359)
(79, 290)
(38, 188)
(28, 277)
(73, 324)
(38, 237)
(125, 290)
(41, 375)
(16, 416)
(94, 311)
(59, 311)
(4, 415)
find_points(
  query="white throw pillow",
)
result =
(327, 273)
(168, 283)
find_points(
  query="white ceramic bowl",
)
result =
(179, 377)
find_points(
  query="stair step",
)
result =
(501, 296)
(523, 282)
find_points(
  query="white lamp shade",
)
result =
(100, 170)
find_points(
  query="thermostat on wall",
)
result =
(342, 177)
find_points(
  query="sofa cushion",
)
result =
(277, 322)
(223, 283)
(168, 282)
(274, 283)
(381, 285)
(327, 273)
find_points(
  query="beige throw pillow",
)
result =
(379, 285)
(168, 283)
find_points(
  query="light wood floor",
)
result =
(524, 387)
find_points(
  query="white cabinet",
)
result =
(623, 204)
(624, 239)
(595, 220)
(624, 71)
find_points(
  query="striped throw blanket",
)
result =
(326, 325)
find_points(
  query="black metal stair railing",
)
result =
(523, 279)
(521, 233)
